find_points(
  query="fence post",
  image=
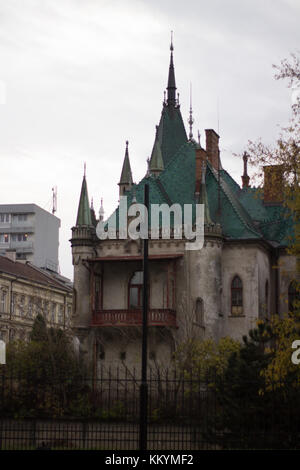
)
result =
(144, 385)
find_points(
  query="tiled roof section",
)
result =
(171, 132)
(273, 220)
(29, 272)
(235, 221)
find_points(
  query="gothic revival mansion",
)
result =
(220, 290)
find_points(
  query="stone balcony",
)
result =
(156, 317)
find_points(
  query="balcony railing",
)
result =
(156, 317)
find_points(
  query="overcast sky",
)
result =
(80, 77)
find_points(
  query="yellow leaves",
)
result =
(285, 330)
(202, 357)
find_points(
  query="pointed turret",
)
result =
(171, 100)
(84, 212)
(156, 161)
(125, 183)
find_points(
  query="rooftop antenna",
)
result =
(54, 199)
(191, 120)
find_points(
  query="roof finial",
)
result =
(245, 177)
(148, 167)
(101, 211)
(171, 79)
(199, 136)
(191, 120)
(84, 170)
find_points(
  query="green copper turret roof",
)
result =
(156, 161)
(126, 175)
(171, 131)
(84, 212)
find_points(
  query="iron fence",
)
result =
(185, 412)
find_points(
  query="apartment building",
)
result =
(25, 292)
(32, 232)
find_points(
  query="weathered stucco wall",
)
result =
(246, 262)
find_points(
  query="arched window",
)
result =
(294, 297)
(199, 312)
(236, 296)
(135, 297)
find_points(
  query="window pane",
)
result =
(134, 297)
(137, 278)
(237, 282)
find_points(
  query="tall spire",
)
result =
(171, 100)
(84, 212)
(191, 120)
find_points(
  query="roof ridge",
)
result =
(44, 279)
(163, 191)
(234, 202)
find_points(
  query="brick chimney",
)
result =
(212, 147)
(200, 158)
(273, 184)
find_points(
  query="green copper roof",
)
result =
(243, 214)
(171, 132)
(126, 175)
(240, 212)
(84, 212)
(156, 161)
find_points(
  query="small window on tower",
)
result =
(236, 296)
(199, 312)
